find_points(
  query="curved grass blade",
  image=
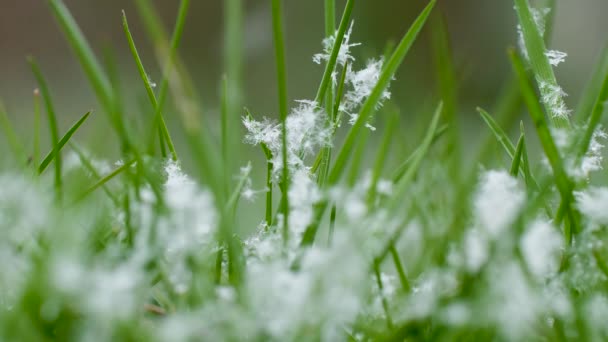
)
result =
(106, 179)
(64, 140)
(370, 104)
(50, 110)
(164, 134)
(86, 162)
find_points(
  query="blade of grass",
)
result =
(269, 185)
(504, 140)
(50, 110)
(389, 320)
(36, 143)
(402, 168)
(405, 283)
(381, 156)
(54, 153)
(333, 58)
(515, 164)
(86, 162)
(525, 161)
(106, 179)
(370, 104)
(539, 61)
(403, 184)
(164, 135)
(323, 159)
(562, 180)
(279, 47)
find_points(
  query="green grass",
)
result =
(405, 233)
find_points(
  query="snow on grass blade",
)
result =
(535, 47)
(54, 153)
(331, 64)
(564, 184)
(370, 104)
(503, 139)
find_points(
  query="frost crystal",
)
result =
(344, 55)
(553, 97)
(540, 246)
(498, 201)
(592, 160)
(593, 203)
(306, 132)
(362, 82)
(556, 57)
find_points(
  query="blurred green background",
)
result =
(480, 32)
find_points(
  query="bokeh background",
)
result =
(480, 31)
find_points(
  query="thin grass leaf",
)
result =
(562, 180)
(381, 156)
(106, 179)
(525, 160)
(515, 164)
(54, 153)
(164, 135)
(403, 167)
(50, 110)
(504, 140)
(279, 48)
(36, 142)
(372, 101)
(404, 183)
(387, 313)
(535, 46)
(333, 58)
(405, 283)
(86, 162)
(324, 156)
